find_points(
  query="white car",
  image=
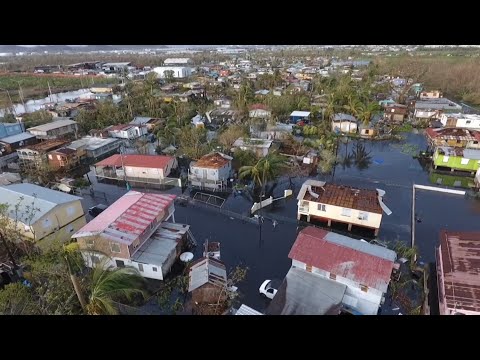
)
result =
(267, 289)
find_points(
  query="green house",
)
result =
(457, 158)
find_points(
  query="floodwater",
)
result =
(391, 167)
(34, 105)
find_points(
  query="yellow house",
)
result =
(324, 202)
(43, 215)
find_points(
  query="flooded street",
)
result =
(389, 166)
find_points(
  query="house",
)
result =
(367, 131)
(386, 102)
(92, 149)
(259, 111)
(434, 94)
(126, 131)
(344, 123)
(262, 93)
(144, 169)
(134, 231)
(260, 147)
(36, 155)
(198, 121)
(55, 217)
(224, 103)
(178, 72)
(59, 128)
(458, 273)
(457, 158)
(335, 271)
(11, 143)
(177, 61)
(297, 116)
(63, 158)
(465, 121)
(207, 281)
(434, 108)
(457, 137)
(10, 129)
(115, 67)
(102, 89)
(303, 293)
(218, 117)
(395, 113)
(324, 202)
(212, 171)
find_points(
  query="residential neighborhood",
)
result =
(240, 180)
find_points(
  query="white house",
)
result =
(127, 131)
(365, 269)
(177, 71)
(177, 61)
(433, 108)
(212, 171)
(259, 111)
(58, 128)
(465, 121)
(135, 231)
(344, 123)
(260, 147)
(324, 202)
(95, 147)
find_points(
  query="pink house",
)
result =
(458, 273)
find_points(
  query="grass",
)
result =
(36, 86)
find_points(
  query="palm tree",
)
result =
(266, 169)
(353, 105)
(366, 111)
(109, 286)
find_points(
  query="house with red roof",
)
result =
(454, 137)
(137, 230)
(143, 169)
(330, 272)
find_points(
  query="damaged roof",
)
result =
(144, 161)
(345, 196)
(214, 160)
(316, 247)
(460, 255)
(207, 270)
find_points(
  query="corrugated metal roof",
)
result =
(145, 161)
(472, 154)
(207, 270)
(92, 142)
(43, 199)
(247, 310)
(304, 293)
(214, 160)
(344, 117)
(300, 113)
(460, 252)
(343, 260)
(128, 217)
(53, 125)
(16, 138)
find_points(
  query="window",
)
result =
(459, 141)
(464, 161)
(475, 142)
(309, 268)
(154, 268)
(59, 157)
(90, 243)
(115, 247)
(333, 276)
(50, 156)
(364, 288)
(346, 212)
(321, 207)
(120, 263)
(70, 228)
(367, 131)
(362, 215)
(140, 267)
(468, 121)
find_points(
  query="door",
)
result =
(120, 263)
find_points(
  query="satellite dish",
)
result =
(186, 257)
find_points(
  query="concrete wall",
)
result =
(212, 174)
(334, 213)
(140, 172)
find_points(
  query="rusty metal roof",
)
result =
(460, 252)
(347, 197)
(127, 218)
(215, 160)
(313, 248)
(453, 134)
(145, 161)
(45, 146)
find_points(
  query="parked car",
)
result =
(97, 209)
(267, 289)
